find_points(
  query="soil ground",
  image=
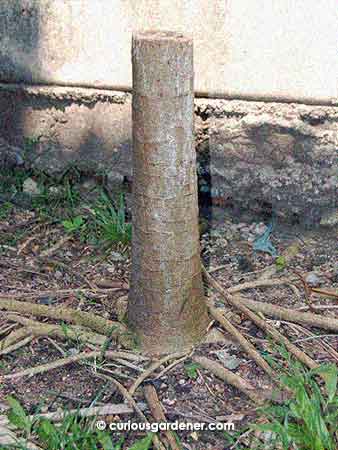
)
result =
(226, 241)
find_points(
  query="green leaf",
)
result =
(143, 444)
(106, 442)
(308, 420)
(330, 373)
(17, 415)
(278, 432)
(65, 328)
(73, 224)
(47, 432)
(280, 262)
(78, 221)
(191, 370)
(119, 444)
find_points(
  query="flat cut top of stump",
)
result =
(160, 35)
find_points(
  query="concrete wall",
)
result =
(280, 49)
(249, 153)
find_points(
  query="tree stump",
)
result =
(166, 305)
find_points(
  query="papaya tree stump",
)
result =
(166, 306)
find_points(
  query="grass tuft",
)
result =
(73, 433)
(308, 420)
(108, 222)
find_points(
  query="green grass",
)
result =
(75, 224)
(106, 224)
(110, 222)
(103, 223)
(191, 370)
(309, 419)
(55, 199)
(73, 433)
(56, 204)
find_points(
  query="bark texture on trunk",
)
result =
(166, 304)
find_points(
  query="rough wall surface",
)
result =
(57, 128)
(282, 49)
(282, 155)
(250, 152)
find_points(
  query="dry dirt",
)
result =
(226, 241)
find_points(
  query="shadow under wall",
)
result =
(20, 35)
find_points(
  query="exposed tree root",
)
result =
(277, 336)
(16, 346)
(325, 293)
(156, 441)
(258, 283)
(50, 366)
(172, 365)
(63, 362)
(231, 378)
(23, 296)
(129, 355)
(113, 373)
(59, 416)
(89, 320)
(247, 346)
(13, 337)
(240, 304)
(323, 344)
(58, 348)
(276, 312)
(318, 308)
(76, 333)
(6, 328)
(158, 414)
(49, 251)
(291, 315)
(100, 325)
(144, 375)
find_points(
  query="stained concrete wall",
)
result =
(280, 49)
(249, 153)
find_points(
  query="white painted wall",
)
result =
(283, 49)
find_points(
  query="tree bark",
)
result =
(166, 301)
